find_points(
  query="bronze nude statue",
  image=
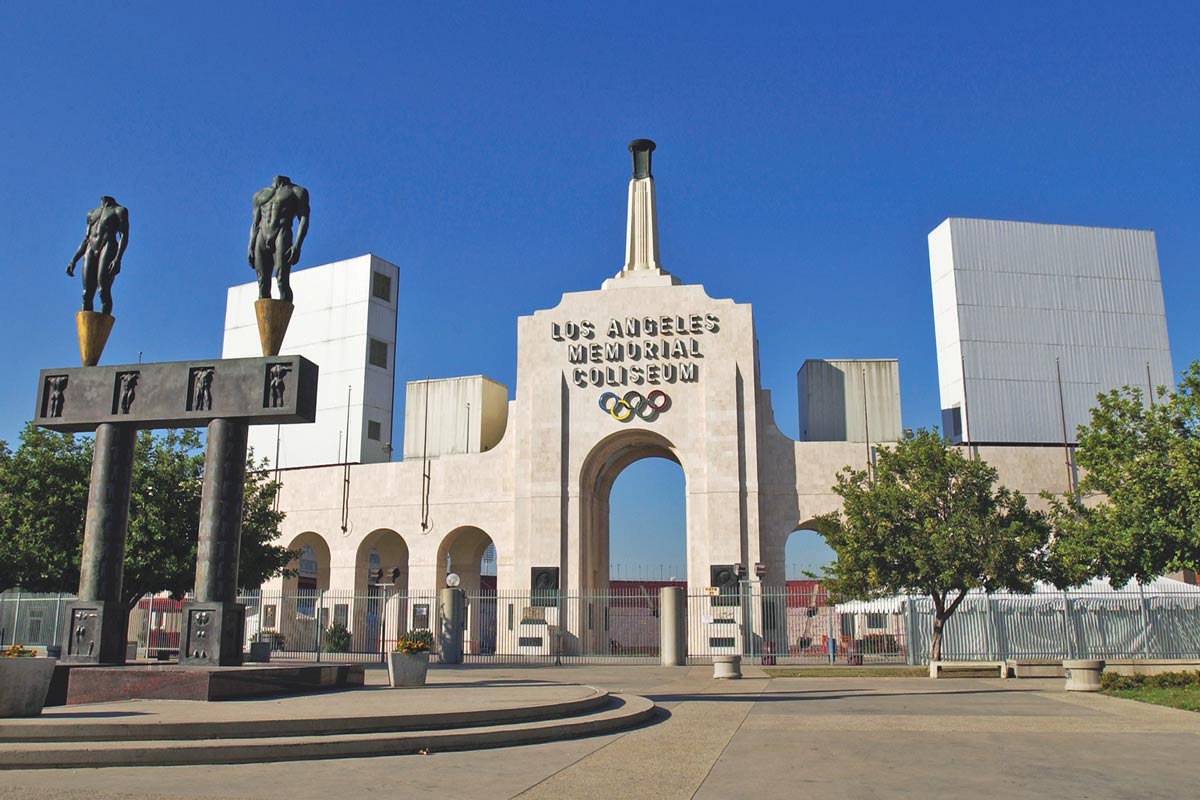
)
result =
(271, 247)
(101, 251)
(277, 373)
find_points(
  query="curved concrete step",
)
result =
(619, 713)
(46, 729)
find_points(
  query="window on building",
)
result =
(373, 430)
(378, 355)
(381, 286)
(877, 621)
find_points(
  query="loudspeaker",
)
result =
(543, 586)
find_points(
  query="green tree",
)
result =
(931, 521)
(43, 502)
(1137, 513)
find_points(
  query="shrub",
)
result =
(418, 641)
(337, 639)
(1111, 681)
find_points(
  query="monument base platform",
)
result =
(78, 684)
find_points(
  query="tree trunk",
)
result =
(935, 643)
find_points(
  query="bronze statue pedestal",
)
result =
(273, 318)
(93, 328)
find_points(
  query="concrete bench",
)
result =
(967, 669)
(1036, 668)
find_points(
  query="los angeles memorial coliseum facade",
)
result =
(644, 366)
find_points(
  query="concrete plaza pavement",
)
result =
(757, 737)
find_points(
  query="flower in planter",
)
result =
(418, 641)
(17, 651)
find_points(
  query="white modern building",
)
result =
(345, 322)
(1033, 321)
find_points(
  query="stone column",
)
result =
(672, 626)
(214, 622)
(96, 622)
(451, 622)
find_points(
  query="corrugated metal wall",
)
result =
(1011, 297)
(466, 415)
(848, 400)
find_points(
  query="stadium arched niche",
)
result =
(379, 609)
(462, 552)
(797, 615)
(296, 619)
(589, 626)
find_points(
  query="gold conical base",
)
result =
(93, 328)
(273, 317)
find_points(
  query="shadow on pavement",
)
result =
(816, 694)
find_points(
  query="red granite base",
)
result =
(97, 684)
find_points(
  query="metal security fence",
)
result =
(335, 626)
(560, 628)
(1162, 623)
(794, 624)
(32, 619)
(799, 624)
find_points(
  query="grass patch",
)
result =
(847, 672)
(1171, 689)
(1183, 697)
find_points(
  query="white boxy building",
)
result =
(849, 400)
(345, 322)
(453, 415)
(1026, 314)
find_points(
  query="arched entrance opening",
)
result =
(295, 623)
(647, 532)
(380, 603)
(469, 553)
(618, 608)
(806, 554)
(806, 625)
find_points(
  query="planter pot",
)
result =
(24, 683)
(260, 652)
(407, 669)
(1083, 674)
(727, 666)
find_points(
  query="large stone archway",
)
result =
(606, 461)
(298, 577)
(461, 552)
(297, 617)
(391, 552)
(380, 604)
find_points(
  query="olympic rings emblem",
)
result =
(634, 404)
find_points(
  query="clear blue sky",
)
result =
(804, 153)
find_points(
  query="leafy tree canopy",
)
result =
(931, 521)
(43, 503)
(1137, 514)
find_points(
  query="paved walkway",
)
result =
(758, 737)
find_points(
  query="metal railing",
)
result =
(793, 624)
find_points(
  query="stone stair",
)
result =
(99, 742)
